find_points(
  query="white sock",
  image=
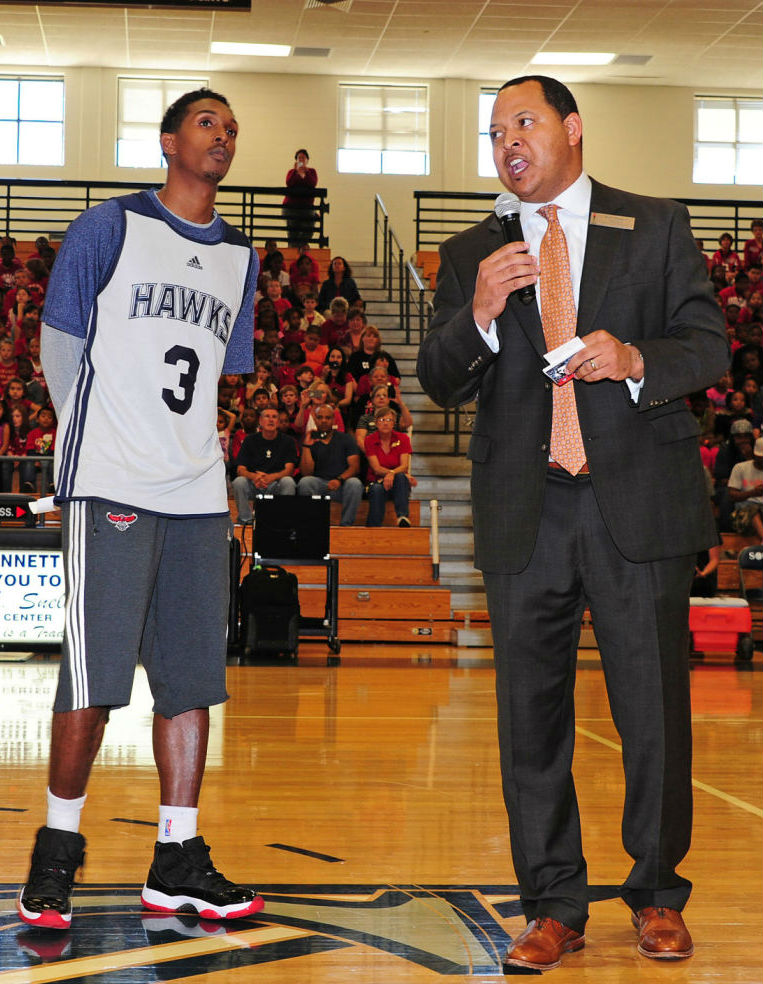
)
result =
(177, 823)
(64, 814)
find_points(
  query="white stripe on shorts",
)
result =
(74, 611)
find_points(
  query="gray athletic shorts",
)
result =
(148, 587)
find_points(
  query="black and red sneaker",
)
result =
(183, 879)
(45, 900)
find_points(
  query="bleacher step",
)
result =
(407, 604)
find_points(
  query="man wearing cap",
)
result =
(737, 448)
(732, 311)
(745, 490)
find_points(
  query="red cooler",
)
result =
(721, 625)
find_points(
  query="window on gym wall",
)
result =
(141, 106)
(728, 140)
(383, 129)
(31, 121)
(485, 165)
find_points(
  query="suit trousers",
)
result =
(640, 616)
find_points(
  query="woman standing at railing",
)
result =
(298, 207)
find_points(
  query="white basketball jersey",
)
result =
(140, 424)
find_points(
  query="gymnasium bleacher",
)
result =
(388, 591)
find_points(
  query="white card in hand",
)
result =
(559, 357)
(564, 352)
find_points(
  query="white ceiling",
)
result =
(704, 44)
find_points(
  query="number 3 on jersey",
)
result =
(186, 380)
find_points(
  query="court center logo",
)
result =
(448, 930)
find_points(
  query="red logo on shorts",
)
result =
(121, 521)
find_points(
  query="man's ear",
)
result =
(167, 141)
(574, 126)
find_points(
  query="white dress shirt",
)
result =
(573, 214)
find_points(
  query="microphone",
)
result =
(506, 209)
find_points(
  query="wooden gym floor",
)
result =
(364, 801)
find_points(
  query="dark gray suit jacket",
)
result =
(648, 286)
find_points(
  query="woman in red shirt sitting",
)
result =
(389, 461)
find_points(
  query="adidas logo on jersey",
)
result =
(194, 263)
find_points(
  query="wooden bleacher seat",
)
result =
(387, 592)
(728, 570)
(322, 257)
(428, 261)
(389, 513)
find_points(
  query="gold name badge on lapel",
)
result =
(613, 221)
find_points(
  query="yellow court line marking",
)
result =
(726, 797)
(147, 955)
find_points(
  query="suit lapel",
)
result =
(602, 245)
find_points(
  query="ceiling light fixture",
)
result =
(573, 58)
(253, 50)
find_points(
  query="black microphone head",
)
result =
(506, 204)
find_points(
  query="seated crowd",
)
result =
(323, 386)
(730, 413)
(323, 411)
(27, 418)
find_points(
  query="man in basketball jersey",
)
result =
(150, 301)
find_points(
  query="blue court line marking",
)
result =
(142, 823)
(310, 854)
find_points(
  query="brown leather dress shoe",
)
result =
(662, 934)
(541, 945)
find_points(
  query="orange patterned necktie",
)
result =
(559, 318)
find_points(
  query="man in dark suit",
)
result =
(617, 527)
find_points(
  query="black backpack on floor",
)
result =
(270, 612)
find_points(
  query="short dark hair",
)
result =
(385, 412)
(269, 257)
(301, 151)
(177, 112)
(556, 93)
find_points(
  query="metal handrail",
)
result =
(414, 298)
(390, 263)
(380, 209)
(399, 275)
(31, 208)
(434, 222)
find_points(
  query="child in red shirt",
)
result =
(725, 256)
(41, 441)
(273, 293)
(315, 353)
(8, 366)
